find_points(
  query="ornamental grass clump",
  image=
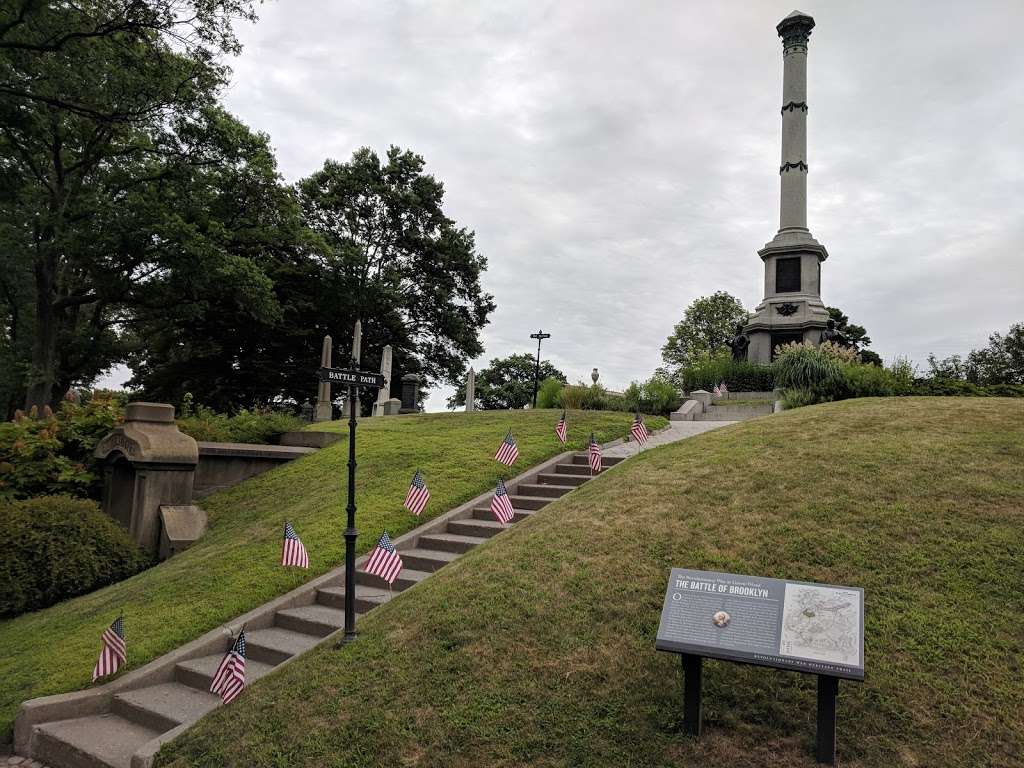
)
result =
(814, 372)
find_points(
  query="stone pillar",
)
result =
(357, 345)
(471, 391)
(384, 393)
(410, 393)
(795, 31)
(324, 410)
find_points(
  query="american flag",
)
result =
(724, 389)
(594, 452)
(384, 560)
(229, 679)
(501, 504)
(718, 391)
(113, 654)
(292, 551)
(418, 496)
(508, 452)
(561, 430)
(638, 430)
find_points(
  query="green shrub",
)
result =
(56, 547)
(866, 380)
(797, 398)
(960, 388)
(806, 367)
(655, 396)
(738, 376)
(255, 426)
(548, 392)
(572, 396)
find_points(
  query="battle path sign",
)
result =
(800, 626)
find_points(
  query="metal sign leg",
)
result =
(828, 690)
(693, 679)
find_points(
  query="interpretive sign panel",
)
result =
(805, 627)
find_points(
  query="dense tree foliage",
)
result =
(506, 382)
(706, 325)
(1001, 362)
(141, 223)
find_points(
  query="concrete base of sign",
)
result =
(180, 527)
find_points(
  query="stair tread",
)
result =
(430, 554)
(110, 738)
(284, 640)
(489, 523)
(175, 701)
(316, 612)
(410, 574)
(459, 537)
(363, 592)
(207, 666)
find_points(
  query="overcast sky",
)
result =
(619, 159)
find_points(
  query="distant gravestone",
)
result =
(410, 393)
(385, 392)
(471, 391)
(324, 410)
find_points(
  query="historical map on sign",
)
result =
(821, 623)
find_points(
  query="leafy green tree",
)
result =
(507, 382)
(102, 103)
(706, 325)
(1001, 362)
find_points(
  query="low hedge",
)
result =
(56, 547)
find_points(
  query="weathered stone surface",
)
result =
(180, 527)
(308, 439)
(471, 390)
(410, 393)
(324, 409)
(384, 393)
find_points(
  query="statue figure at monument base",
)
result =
(738, 344)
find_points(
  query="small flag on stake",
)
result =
(418, 496)
(560, 429)
(384, 560)
(594, 453)
(639, 430)
(229, 679)
(114, 652)
(718, 391)
(508, 452)
(724, 389)
(501, 504)
(292, 551)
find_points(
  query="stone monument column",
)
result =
(471, 390)
(323, 411)
(357, 347)
(384, 393)
(792, 309)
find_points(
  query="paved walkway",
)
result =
(677, 430)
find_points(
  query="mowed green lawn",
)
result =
(235, 566)
(537, 648)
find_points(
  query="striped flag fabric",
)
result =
(384, 560)
(508, 451)
(594, 453)
(724, 389)
(561, 430)
(501, 504)
(292, 551)
(639, 430)
(229, 679)
(418, 496)
(718, 391)
(114, 652)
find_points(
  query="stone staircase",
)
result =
(701, 405)
(123, 724)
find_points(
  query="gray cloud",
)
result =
(618, 160)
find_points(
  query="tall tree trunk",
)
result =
(43, 373)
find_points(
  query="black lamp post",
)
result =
(539, 336)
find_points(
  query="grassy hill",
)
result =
(537, 648)
(235, 566)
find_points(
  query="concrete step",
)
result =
(547, 478)
(733, 414)
(529, 502)
(584, 459)
(95, 741)
(482, 528)
(538, 489)
(450, 542)
(484, 513)
(198, 673)
(274, 644)
(319, 620)
(367, 598)
(407, 578)
(164, 706)
(426, 559)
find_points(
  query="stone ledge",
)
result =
(254, 451)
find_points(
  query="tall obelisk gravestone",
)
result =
(324, 408)
(792, 309)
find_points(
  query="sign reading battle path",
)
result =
(805, 627)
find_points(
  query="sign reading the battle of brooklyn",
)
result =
(805, 627)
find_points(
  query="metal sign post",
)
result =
(355, 379)
(539, 336)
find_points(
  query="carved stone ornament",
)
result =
(787, 309)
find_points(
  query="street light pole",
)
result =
(539, 336)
